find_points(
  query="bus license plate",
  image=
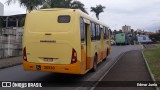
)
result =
(48, 59)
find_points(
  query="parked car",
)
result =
(113, 42)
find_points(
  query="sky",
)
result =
(139, 14)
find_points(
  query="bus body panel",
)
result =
(40, 46)
(45, 39)
(44, 67)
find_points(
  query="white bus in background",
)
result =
(143, 39)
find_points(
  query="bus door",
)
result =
(86, 43)
(102, 42)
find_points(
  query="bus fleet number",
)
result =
(49, 67)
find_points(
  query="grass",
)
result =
(153, 59)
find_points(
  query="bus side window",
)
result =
(82, 30)
(97, 32)
(91, 30)
(93, 36)
(105, 36)
(107, 33)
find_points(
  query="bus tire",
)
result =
(106, 55)
(94, 64)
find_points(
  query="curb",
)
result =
(150, 72)
(12, 65)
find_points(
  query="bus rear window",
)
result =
(64, 19)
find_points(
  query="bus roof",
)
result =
(75, 10)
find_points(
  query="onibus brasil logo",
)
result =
(20, 84)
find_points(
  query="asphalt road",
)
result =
(16, 73)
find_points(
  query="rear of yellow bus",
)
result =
(51, 41)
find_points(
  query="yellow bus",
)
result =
(64, 41)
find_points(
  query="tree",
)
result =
(155, 37)
(120, 31)
(60, 3)
(78, 5)
(56, 4)
(29, 4)
(33, 4)
(1, 23)
(115, 32)
(64, 4)
(97, 10)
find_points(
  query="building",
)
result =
(1, 9)
(139, 30)
(11, 35)
(126, 29)
(148, 33)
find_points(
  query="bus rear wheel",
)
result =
(106, 56)
(95, 64)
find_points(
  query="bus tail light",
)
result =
(24, 54)
(74, 56)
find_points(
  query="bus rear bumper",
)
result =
(69, 68)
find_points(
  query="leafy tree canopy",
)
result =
(35, 4)
(97, 10)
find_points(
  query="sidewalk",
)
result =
(8, 62)
(130, 67)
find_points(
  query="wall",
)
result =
(1, 9)
(11, 42)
